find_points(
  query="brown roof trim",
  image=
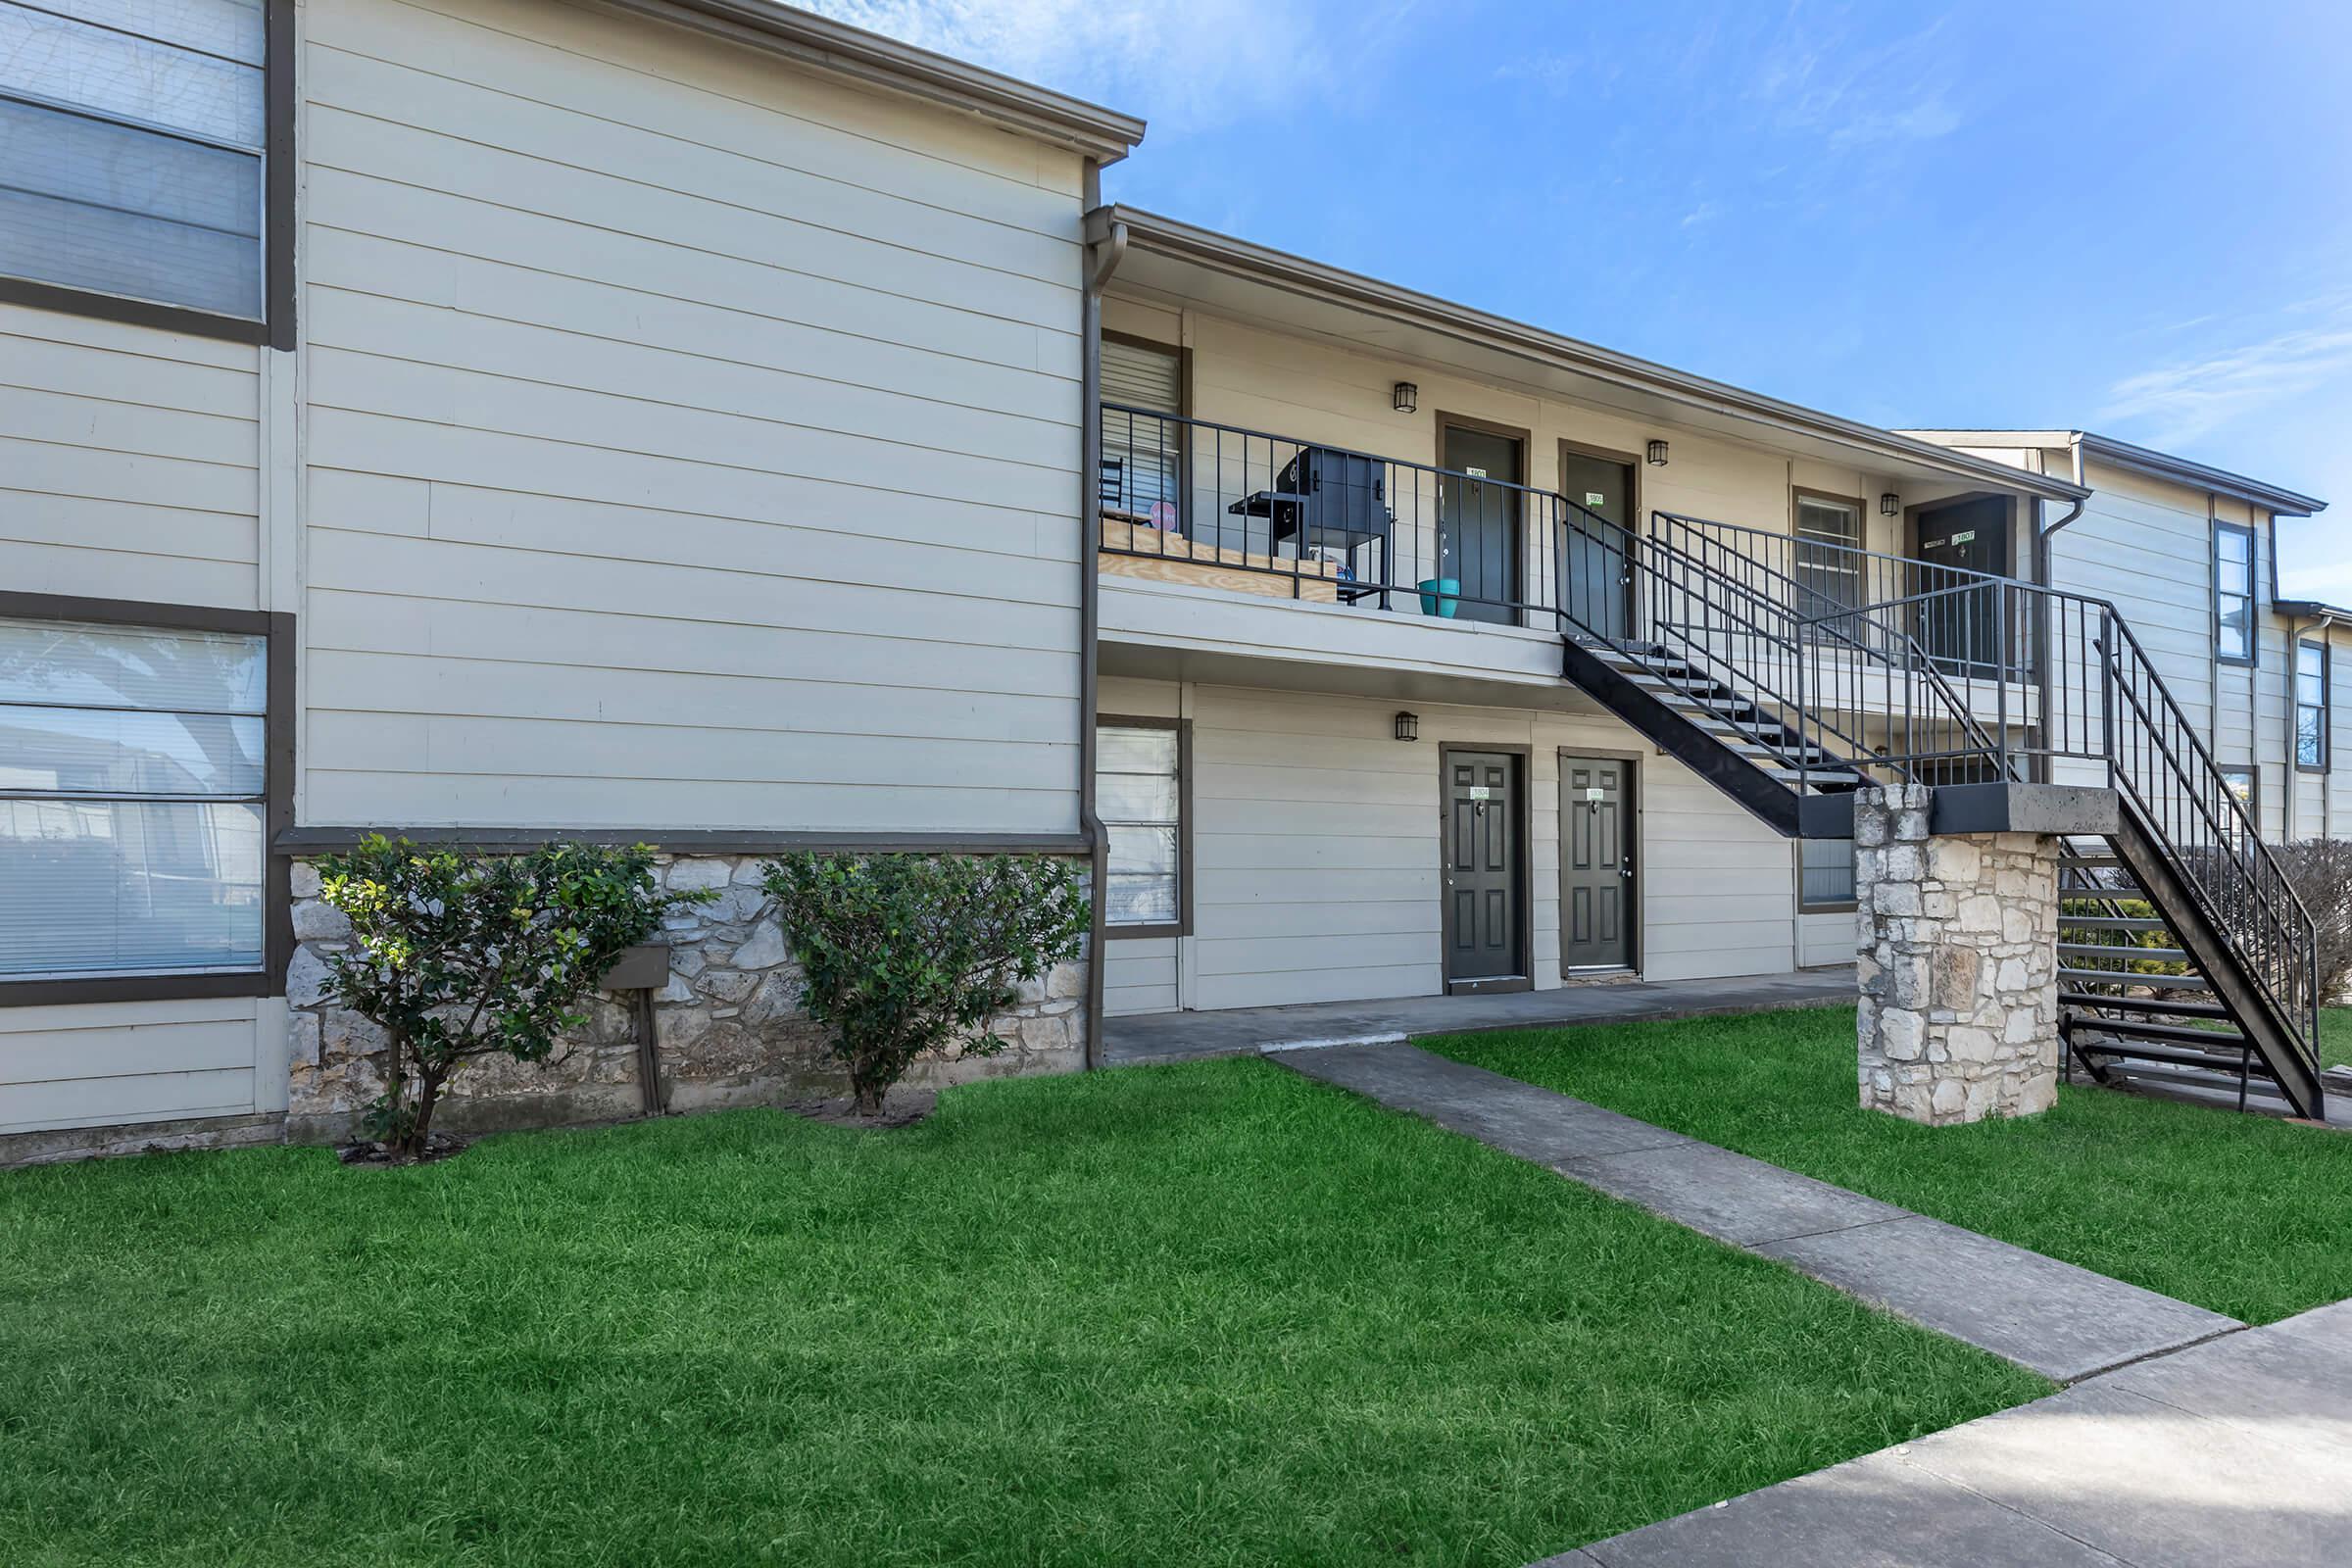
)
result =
(1103, 134)
(1170, 237)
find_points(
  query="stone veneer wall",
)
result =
(1959, 964)
(729, 1026)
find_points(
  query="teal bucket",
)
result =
(1438, 596)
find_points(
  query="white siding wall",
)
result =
(1316, 857)
(692, 441)
(137, 1061)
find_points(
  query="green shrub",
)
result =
(456, 957)
(904, 954)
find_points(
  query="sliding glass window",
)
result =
(134, 135)
(134, 800)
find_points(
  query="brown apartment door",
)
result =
(1595, 585)
(1484, 877)
(1596, 866)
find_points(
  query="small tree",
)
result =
(456, 957)
(2321, 871)
(905, 954)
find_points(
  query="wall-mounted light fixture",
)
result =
(1408, 727)
(1890, 503)
(1657, 454)
(1407, 397)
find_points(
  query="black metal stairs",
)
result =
(2185, 958)
(1739, 743)
(2151, 996)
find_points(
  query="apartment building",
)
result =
(698, 422)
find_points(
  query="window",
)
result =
(134, 801)
(1139, 791)
(1828, 572)
(2311, 706)
(1825, 871)
(2234, 593)
(2247, 784)
(1143, 442)
(133, 142)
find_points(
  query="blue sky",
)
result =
(2135, 219)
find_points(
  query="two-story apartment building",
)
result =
(700, 422)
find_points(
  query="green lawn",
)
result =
(2335, 1036)
(2242, 1214)
(1200, 1315)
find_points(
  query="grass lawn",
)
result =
(1210, 1314)
(2242, 1214)
(2335, 1036)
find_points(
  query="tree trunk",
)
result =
(428, 1094)
(869, 1096)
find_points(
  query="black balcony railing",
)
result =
(1894, 668)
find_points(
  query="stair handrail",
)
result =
(1918, 662)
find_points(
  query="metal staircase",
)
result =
(2186, 960)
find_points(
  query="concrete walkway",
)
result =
(2236, 1452)
(1149, 1036)
(2061, 1321)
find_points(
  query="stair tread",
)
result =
(2162, 1005)
(2159, 982)
(2176, 1056)
(2231, 1040)
(2117, 949)
(2115, 922)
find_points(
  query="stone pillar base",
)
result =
(1958, 938)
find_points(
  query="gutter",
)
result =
(1104, 249)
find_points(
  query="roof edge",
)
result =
(835, 47)
(1173, 236)
(2298, 608)
(2148, 460)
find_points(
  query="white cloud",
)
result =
(2180, 402)
(1205, 64)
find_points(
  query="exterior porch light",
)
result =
(1406, 398)
(1408, 727)
(1890, 503)
(1656, 453)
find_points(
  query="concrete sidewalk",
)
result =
(1149, 1037)
(2236, 1452)
(2064, 1322)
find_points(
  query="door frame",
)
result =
(1637, 522)
(1522, 915)
(1526, 482)
(1635, 931)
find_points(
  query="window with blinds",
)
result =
(1143, 444)
(131, 138)
(1139, 794)
(2234, 593)
(2311, 706)
(1825, 873)
(133, 787)
(1828, 576)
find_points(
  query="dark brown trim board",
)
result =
(1183, 925)
(1523, 918)
(278, 810)
(324, 840)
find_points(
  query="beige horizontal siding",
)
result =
(99, 1065)
(128, 462)
(693, 440)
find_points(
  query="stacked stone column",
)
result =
(1958, 949)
